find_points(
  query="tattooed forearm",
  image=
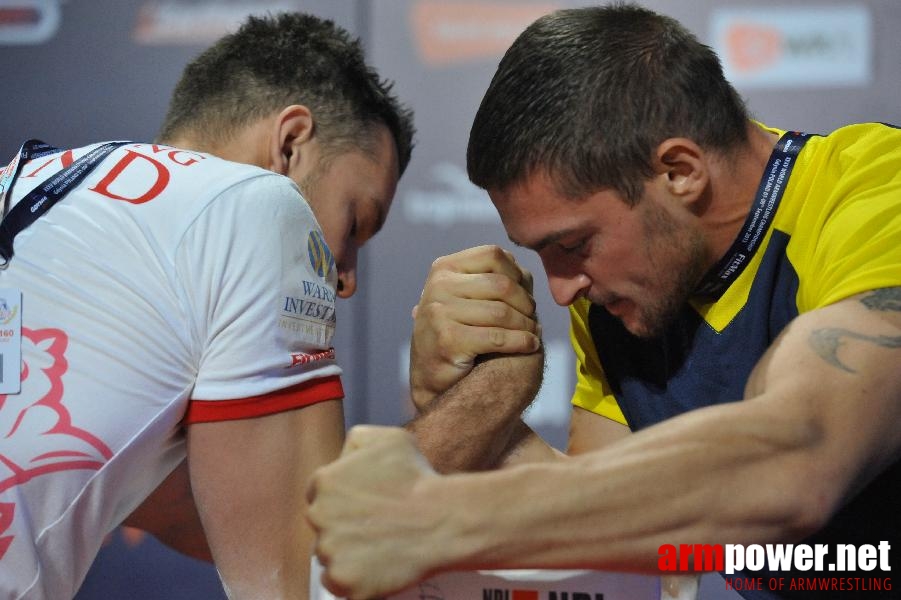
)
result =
(883, 299)
(826, 343)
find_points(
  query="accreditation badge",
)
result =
(10, 341)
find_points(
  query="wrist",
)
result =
(459, 527)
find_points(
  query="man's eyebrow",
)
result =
(543, 242)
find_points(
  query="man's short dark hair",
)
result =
(291, 58)
(585, 96)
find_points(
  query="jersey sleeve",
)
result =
(260, 282)
(592, 391)
(853, 210)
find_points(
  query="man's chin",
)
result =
(632, 319)
(640, 330)
(643, 325)
(639, 321)
(647, 333)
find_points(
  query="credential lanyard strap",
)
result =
(42, 198)
(769, 194)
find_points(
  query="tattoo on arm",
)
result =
(883, 299)
(826, 343)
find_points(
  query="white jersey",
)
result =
(169, 287)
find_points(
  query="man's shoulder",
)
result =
(862, 140)
(206, 177)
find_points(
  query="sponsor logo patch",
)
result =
(321, 258)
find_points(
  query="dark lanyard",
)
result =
(769, 194)
(42, 198)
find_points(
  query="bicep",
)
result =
(249, 478)
(836, 370)
(169, 514)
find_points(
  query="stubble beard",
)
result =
(683, 264)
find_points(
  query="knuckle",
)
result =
(442, 337)
(505, 286)
(501, 312)
(430, 310)
(437, 277)
(497, 337)
(444, 263)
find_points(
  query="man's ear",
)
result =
(289, 142)
(684, 165)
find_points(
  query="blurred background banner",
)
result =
(80, 71)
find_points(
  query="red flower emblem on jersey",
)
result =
(37, 435)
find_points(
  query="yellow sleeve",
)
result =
(852, 216)
(592, 391)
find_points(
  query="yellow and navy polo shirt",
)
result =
(836, 233)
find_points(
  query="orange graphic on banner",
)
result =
(752, 47)
(453, 32)
(19, 15)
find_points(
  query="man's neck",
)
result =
(734, 183)
(247, 146)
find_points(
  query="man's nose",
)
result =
(567, 289)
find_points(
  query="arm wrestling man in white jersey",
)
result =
(178, 303)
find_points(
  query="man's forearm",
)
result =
(613, 509)
(476, 424)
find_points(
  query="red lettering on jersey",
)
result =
(193, 158)
(66, 159)
(174, 154)
(162, 179)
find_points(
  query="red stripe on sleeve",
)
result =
(303, 394)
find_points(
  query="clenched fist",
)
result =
(377, 530)
(475, 302)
